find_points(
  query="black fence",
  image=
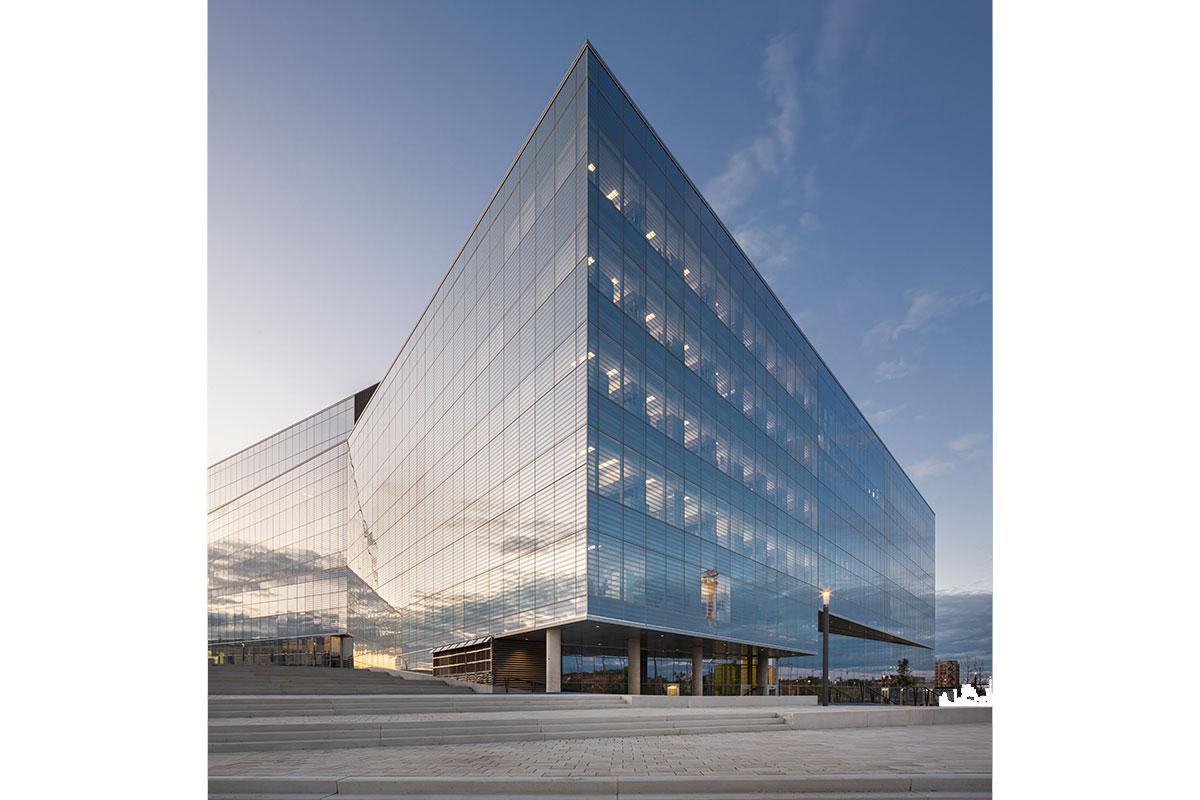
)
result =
(863, 694)
(511, 685)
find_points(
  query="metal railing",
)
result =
(515, 684)
(864, 694)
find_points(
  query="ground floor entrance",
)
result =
(605, 658)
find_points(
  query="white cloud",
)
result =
(893, 370)
(729, 190)
(967, 442)
(970, 445)
(769, 246)
(782, 85)
(766, 154)
(840, 42)
(931, 468)
(885, 415)
(962, 448)
(925, 309)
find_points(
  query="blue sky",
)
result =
(847, 146)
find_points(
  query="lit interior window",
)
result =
(591, 167)
(651, 235)
(613, 195)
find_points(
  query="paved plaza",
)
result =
(945, 749)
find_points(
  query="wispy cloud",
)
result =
(961, 448)
(925, 309)
(893, 370)
(768, 153)
(885, 415)
(834, 49)
(800, 69)
(769, 246)
(970, 445)
(931, 468)
(782, 84)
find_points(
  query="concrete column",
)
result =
(554, 659)
(698, 668)
(635, 663)
(763, 673)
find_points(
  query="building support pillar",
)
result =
(763, 672)
(554, 659)
(635, 663)
(698, 668)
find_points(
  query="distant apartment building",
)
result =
(947, 674)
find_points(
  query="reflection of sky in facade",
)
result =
(847, 146)
(603, 401)
(469, 462)
(720, 440)
(277, 532)
(277, 541)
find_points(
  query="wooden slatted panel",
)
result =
(520, 662)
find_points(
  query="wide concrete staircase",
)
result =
(264, 709)
(272, 680)
(472, 729)
(353, 705)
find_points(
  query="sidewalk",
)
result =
(941, 749)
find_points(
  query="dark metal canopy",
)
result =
(841, 626)
(459, 645)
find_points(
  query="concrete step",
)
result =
(303, 690)
(615, 699)
(475, 701)
(375, 712)
(390, 704)
(270, 731)
(877, 786)
(269, 680)
(527, 733)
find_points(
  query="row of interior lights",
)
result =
(612, 198)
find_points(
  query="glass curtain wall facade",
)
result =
(603, 415)
(470, 461)
(277, 525)
(730, 476)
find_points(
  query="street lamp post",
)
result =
(825, 647)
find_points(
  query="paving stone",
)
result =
(913, 750)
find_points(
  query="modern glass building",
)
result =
(279, 588)
(605, 459)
